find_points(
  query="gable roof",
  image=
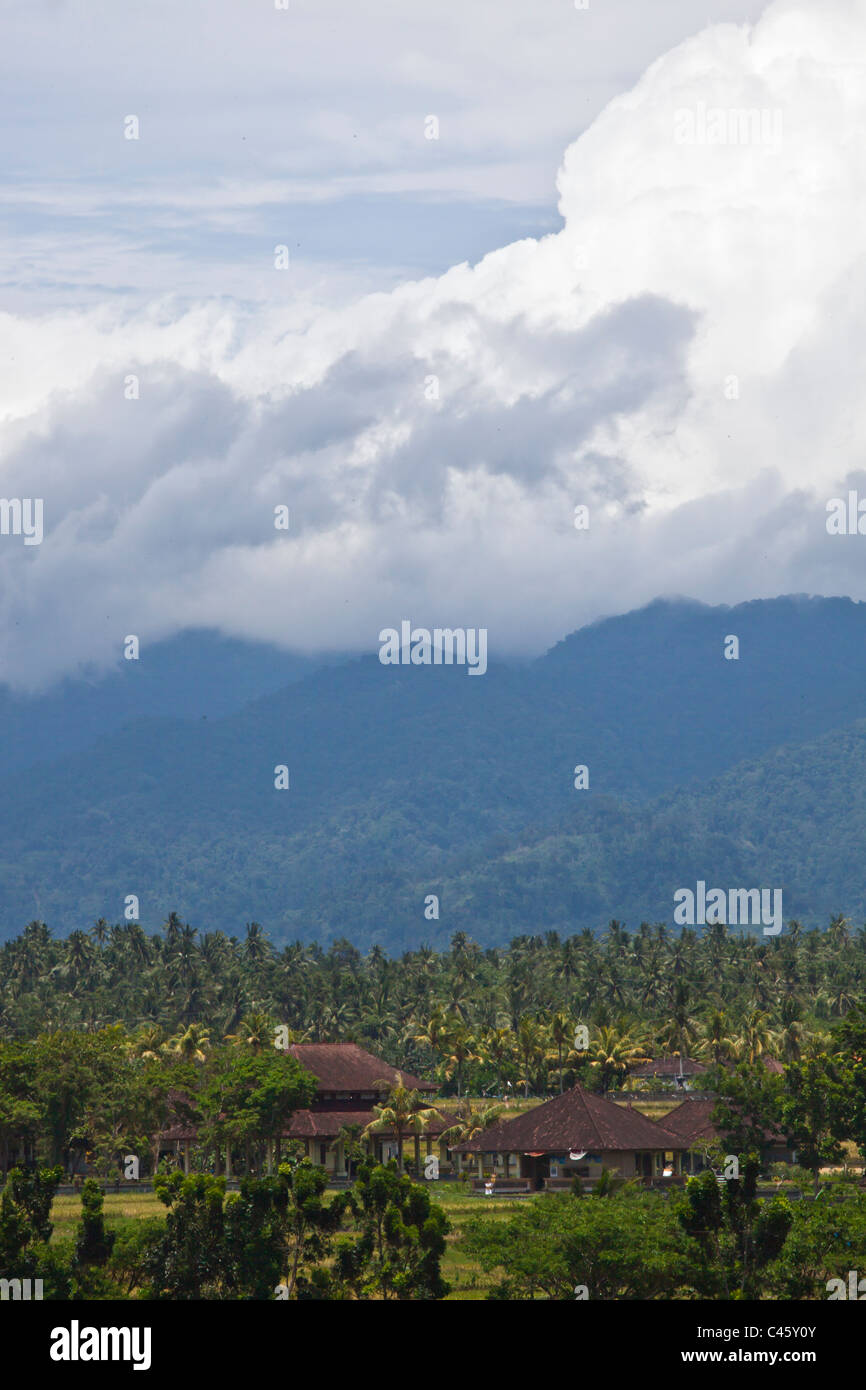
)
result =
(347, 1067)
(575, 1120)
(691, 1121)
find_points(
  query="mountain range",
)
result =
(411, 781)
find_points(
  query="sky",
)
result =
(625, 273)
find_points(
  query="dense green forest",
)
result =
(407, 782)
(472, 1016)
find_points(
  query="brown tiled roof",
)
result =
(322, 1123)
(347, 1067)
(669, 1067)
(691, 1122)
(575, 1120)
(326, 1124)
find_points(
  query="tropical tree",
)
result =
(398, 1249)
(470, 1121)
(497, 1049)
(190, 1044)
(815, 1111)
(612, 1052)
(460, 1048)
(561, 1031)
(256, 1032)
(531, 1046)
(403, 1111)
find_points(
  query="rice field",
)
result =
(119, 1207)
(467, 1279)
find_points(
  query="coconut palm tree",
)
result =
(172, 928)
(788, 1040)
(839, 931)
(435, 1033)
(716, 1040)
(470, 1122)
(842, 998)
(755, 1037)
(77, 957)
(460, 1049)
(99, 932)
(350, 1137)
(613, 1051)
(497, 1049)
(403, 1110)
(190, 1045)
(255, 1031)
(147, 1042)
(531, 1048)
(681, 1028)
(561, 1030)
(256, 948)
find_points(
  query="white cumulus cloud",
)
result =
(684, 357)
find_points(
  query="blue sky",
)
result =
(303, 126)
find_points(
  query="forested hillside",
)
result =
(410, 781)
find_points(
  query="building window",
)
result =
(323, 1154)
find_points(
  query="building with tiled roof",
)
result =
(346, 1070)
(577, 1134)
(676, 1068)
(692, 1123)
(350, 1082)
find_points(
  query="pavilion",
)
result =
(577, 1134)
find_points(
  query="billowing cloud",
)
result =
(683, 357)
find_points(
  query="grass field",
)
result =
(119, 1207)
(467, 1279)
